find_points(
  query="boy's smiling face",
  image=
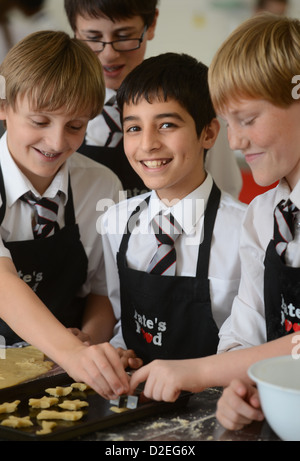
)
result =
(116, 64)
(269, 138)
(40, 141)
(161, 144)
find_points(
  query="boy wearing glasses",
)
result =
(118, 31)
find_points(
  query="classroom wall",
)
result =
(196, 27)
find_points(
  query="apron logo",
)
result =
(290, 316)
(32, 280)
(154, 328)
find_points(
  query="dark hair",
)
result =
(113, 9)
(261, 4)
(171, 76)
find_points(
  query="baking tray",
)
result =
(97, 416)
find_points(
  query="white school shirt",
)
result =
(224, 267)
(91, 183)
(246, 325)
(220, 160)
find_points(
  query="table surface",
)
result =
(194, 422)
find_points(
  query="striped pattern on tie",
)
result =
(111, 114)
(166, 230)
(46, 210)
(284, 217)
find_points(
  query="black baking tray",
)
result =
(97, 416)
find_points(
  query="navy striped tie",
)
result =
(46, 210)
(167, 230)
(284, 218)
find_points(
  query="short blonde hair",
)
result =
(54, 71)
(258, 60)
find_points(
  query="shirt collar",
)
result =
(18, 184)
(283, 192)
(109, 93)
(188, 211)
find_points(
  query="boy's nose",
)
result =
(150, 141)
(108, 53)
(237, 141)
(57, 139)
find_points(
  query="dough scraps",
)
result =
(22, 364)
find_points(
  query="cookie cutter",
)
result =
(126, 401)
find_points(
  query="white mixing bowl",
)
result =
(278, 384)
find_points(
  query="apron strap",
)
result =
(3, 196)
(131, 224)
(209, 222)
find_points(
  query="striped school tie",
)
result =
(166, 230)
(284, 218)
(111, 114)
(46, 210)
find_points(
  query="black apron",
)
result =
(54, 267)
(115, 159)
(281, 295)
(169, 317)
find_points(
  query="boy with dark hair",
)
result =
(169, 123)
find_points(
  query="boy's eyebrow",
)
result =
(121, 29)
(131, 118)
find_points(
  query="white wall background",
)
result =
(196, 27)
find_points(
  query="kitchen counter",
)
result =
(194, 422)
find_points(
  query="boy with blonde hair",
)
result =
(254, 83)
(51, 261)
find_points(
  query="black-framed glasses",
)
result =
(124, 44)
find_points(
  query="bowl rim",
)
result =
(285, 358)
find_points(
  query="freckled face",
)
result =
(269, 138)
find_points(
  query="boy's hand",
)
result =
(239, 406)
(99, 366)
(164, 380)
(129, 358)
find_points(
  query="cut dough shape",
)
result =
(47, 427)
(59, 391)
(15, 422)
(65, 415)
(44, 402)
(9, 407)
(73, 404)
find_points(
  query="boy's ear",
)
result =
(3, 105)
(210, 133)
(152, 27)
